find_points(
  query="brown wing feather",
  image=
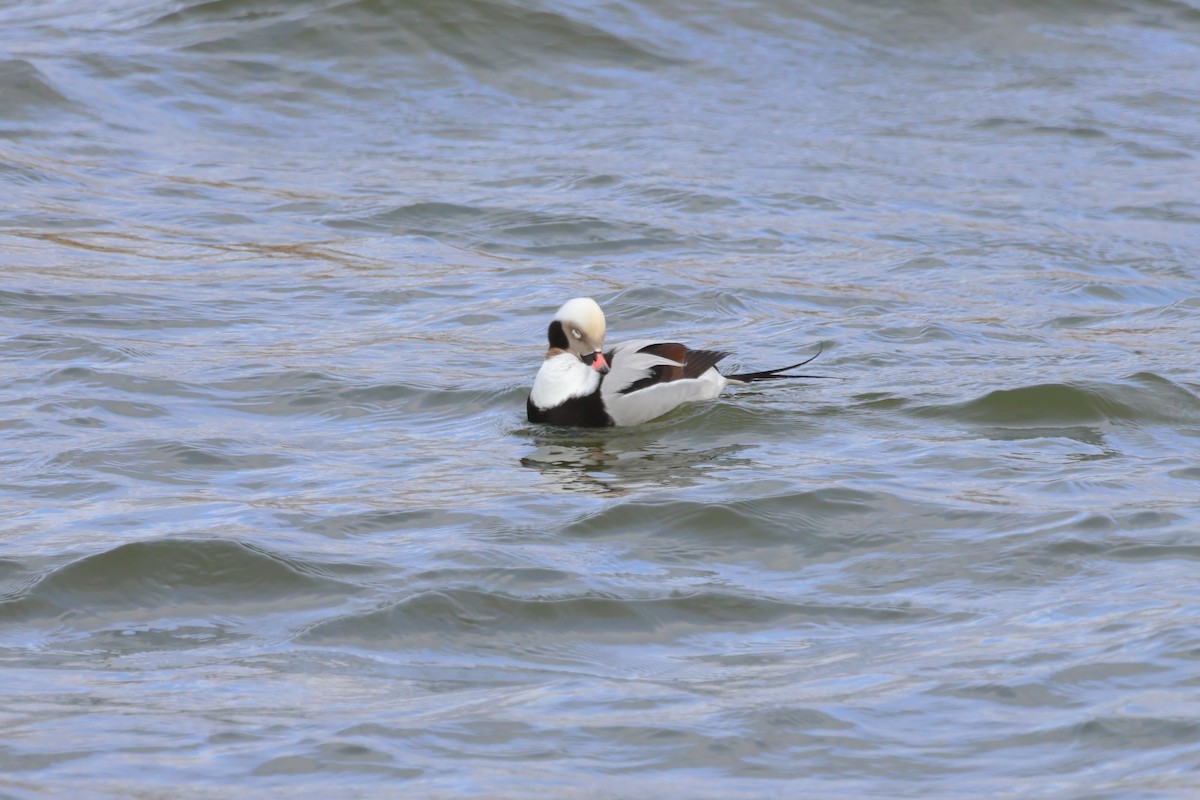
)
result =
(695, 363)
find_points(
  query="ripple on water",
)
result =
(51, 347)
(788, 530)
(516, 231)
(117, 381)
(172, 460)
(457, 620)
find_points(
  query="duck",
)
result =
(580, 384)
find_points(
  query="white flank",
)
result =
(654, 401)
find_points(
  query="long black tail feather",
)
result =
(773, 374)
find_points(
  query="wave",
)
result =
(156, 578)
(28, 93)
(476, 34)
(1145, 398)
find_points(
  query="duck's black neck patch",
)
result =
(558, 336)
(577, 412)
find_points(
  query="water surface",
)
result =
(274, 286)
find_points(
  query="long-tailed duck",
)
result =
(582, 384)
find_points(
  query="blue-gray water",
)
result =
(274, 281)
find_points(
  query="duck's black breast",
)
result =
(577, 412)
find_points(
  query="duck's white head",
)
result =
(578, 328)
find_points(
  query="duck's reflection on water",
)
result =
(618, 463)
